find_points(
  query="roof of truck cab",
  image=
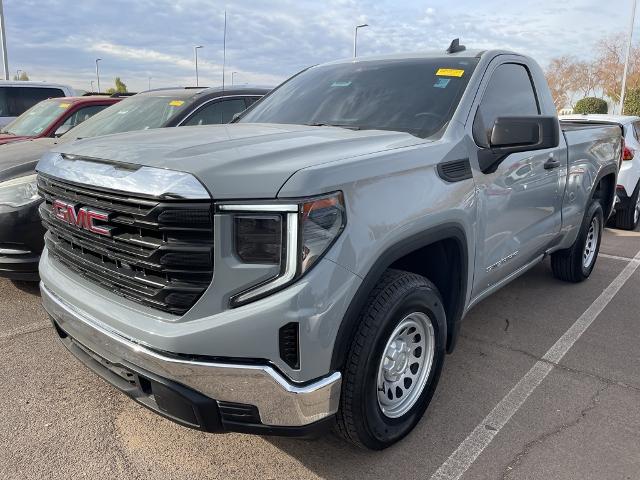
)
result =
(467, 53)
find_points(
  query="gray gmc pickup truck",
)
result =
(309, 265)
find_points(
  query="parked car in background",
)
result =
(310, 264)
(627, 215)
(18, 97)
(54, 117)
(21, 232)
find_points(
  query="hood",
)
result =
(238, 160)
(20, 158)
(7, 138)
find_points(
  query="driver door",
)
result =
(519, 203)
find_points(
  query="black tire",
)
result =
(360, 418)
(625, 218)
(568, 265)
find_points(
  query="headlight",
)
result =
(20, 191)
(293, 236)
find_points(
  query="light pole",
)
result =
(3, 37)
(232, 77)
(149, 83)
(18, 74)
(195, 54)
(355, 39)
(626, 60)
(92, 90)
(98, 72)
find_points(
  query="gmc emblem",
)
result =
(83, 218)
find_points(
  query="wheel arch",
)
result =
(451, 240)
(604, 189)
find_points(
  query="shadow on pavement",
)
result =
(32, 288)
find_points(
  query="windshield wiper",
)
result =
(340, 125)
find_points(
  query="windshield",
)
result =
(35, 120)
(135, 113)
(417, 96)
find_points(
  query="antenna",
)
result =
(224, 50)
(455, 46)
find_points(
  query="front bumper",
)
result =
(207, 391)
(19, 264)
(21, 242)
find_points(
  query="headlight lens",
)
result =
(20, 191)
(293, 236)
(322, 221)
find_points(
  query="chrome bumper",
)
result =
(279, 402)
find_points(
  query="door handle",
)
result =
(551, 164)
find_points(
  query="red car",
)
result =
(54, 117)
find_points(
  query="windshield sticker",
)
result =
(64, 105)
(340, 84)
(176, 103)
(449, 72)
(442, 83)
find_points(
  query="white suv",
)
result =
(18, 97)
(627, 214)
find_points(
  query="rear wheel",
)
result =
(629, 217)
(576, 263)
(394, 362)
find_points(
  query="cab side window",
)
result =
(509, 93)
(217, 112)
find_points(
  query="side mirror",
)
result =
(235, 117)
(518, 134)
(62, 129)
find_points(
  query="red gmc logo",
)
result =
(83, 218)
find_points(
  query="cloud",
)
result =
(269, 40)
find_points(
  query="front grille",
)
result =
(160, 253)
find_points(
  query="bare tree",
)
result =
(586, 79)
(561, 75)
(610, 65)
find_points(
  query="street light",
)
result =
(18, 74)
(355, 39)
(195, 54)
(3, 37)
(232, 74)
(98, 72)
(149, 83)
(627, 56)
(92, 90)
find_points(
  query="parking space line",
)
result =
(615, 257)
(468, 451)
(32, 327)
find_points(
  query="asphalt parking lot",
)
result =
(581, 420)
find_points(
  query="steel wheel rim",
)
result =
(405, 365)
(636, 213)
(590, 246)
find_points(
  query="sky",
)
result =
(268, 41)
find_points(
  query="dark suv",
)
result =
(21, 233)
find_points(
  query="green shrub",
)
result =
(632, 102)
(590, 105)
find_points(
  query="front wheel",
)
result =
(394, 362)
(576, 263)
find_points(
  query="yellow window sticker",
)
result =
(449, 72)
(64, 105)
(176, 103)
